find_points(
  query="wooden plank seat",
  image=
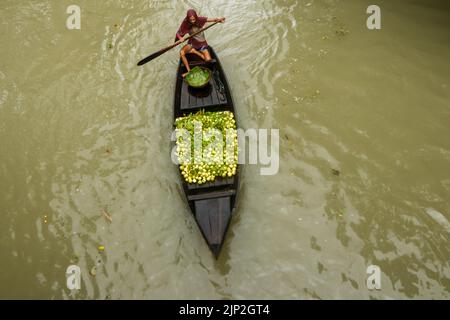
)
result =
(195, 63)
(219, 182)
(212, 195)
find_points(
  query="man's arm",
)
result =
(180, 38)
(216, 20)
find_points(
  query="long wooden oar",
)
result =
(160, 52)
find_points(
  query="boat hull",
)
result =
(213, 203)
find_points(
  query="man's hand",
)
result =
(221, 20)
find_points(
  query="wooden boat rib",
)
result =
(213, 203)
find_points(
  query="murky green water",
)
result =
(364, 178)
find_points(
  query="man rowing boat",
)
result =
(197, 44)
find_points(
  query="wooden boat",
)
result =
(213, 203)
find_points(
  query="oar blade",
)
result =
(153, 56)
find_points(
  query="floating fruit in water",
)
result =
(335, 172)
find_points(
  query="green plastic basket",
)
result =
(198, 77)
